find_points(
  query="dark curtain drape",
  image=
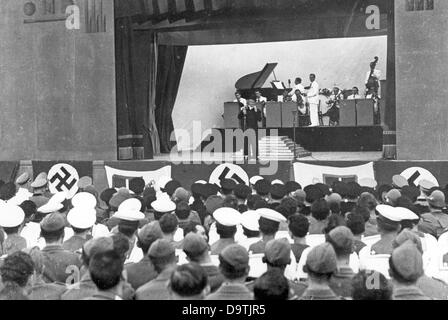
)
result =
(170, 65)
(135, 76)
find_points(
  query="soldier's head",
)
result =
(17, 269)
(162, 255)
(52, 228)
(234, 263)
(106, 270)
(272, 285)
(189, 282)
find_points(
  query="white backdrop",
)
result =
(210, 72)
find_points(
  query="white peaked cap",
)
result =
(84, 199)
(228, 217)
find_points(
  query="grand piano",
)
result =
(249, 83)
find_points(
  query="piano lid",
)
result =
(256, 79)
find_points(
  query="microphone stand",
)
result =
(294, 114)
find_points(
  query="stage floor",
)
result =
(200, 157)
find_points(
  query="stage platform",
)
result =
(325, 139)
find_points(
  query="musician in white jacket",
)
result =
(313, 100)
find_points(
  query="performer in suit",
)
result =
(355, 95)
(261, 100)
(373, 88)
(250, 116)
(240, 99)
(334, 103)
(313, 100)
(304, 118)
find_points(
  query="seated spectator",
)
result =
(388, 227)
(319, 216)
(227, 220)
(269, 224)
(184, 214)
(341, 238)
(298, 229)
(189, 282)
(320, 265)
(355, 222)
(212, 204)
(271, 286)
(31, 227)
(105, 270)
(163, 256)
(234, 266)
(405, 268)
(371, 285)
(82, 221)
(142, 272)
(16, 272)
(196, 228)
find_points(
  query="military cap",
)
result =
(278, 191)
(392, 196)
(180, 194)
(150, 233)
(354, 190)
(23, 178)
(228, 217)
(119, 197)
(262, 187)
(300, 196)
(40, 181)
(277, 181)
(53, 222)
(388, 213)
(340, 188)
(228, 184)
(398, 181)
(84, 182)
(407, 235)
(368, 182)
(407, 261)
(323, 188)
(342, 238)
(163, 204)
(84, 199)
(235, 255)
(54, 204)
(437, 199)
(255, 179)
(212, 203)
(249, 220)
(171, 186)
(97, 245)
(406, 214)
(161, 248)
(270, 214)
(162, 181)
(333, 198)
(278, 252)
(242, 191)
(201, 182)
(313, 193)
(129, 210)
(292, 186)
(107, 194)
(137, 185)
(193, 244)
(426, 185)
(210, 189)
(82, 217)
(322, 259)
(11, 215)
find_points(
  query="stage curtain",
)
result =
(170, 65)
(136, 71)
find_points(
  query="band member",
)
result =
(313, 100)
(334, 104)
(250, 116)
(261, 100)
(373, 89)
(240, 99)
(304, 119)
(298, 85)
(285, 97)
(355, 95)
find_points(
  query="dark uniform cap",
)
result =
(262, 187)
(392, 196)
(407, 235)
(292, 186)
(213, 203)
(242, 191)
(53, 222)
(278, 252)
(398, 181)
(354, 190)
(171, 186)
(107, 194)
(407, 261)
(228, 184)
(323, 188)
(341, 188)
(84, 182)
(322, 259)
(210, 189)
(278, 191)
(97, 245)
(313, 193)
(194, 244)
(236, 256)
(119, 197)
(137, 185)
(161, 248)
(342, 238)
(437, 199)
(195, 188)
(150, 233)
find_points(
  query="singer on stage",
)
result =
(249, 116)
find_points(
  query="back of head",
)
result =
(268, 227)
(251, 200)
(121, 245)
(29, 208)
(298, 225)
(367, 200)
(356, 223)
(234, 262)
(320, 210)
(230, 201)
(371, 285)
(341, 238)
(188, 281)
(168, 223)
(406, 263)
(105, 269)
(272, 285)
(17, 268)
(137, 185)
(162, 254)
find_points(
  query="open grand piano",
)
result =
(253, 81)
